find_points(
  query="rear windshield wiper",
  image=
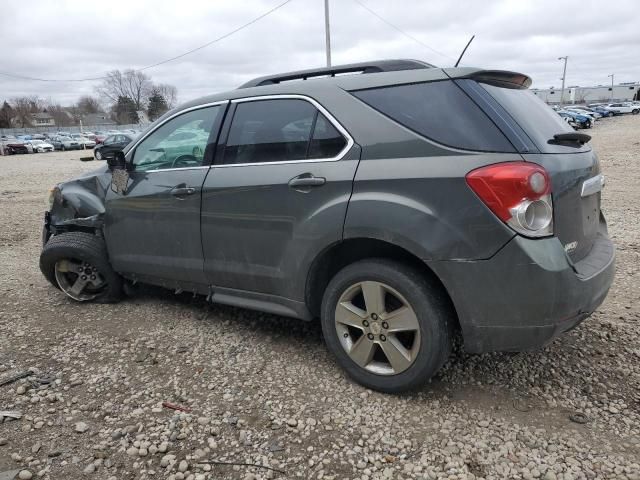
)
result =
(571, 138)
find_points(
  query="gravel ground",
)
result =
(263, 389)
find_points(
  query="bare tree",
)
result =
(129, 84)
(88, 104)
(168, 92)
(60, 115)
(23, 108)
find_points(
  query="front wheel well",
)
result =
(344, 253)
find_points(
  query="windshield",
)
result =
(536, 118)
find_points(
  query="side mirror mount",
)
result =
(118, 162)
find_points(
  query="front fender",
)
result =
(80, 202)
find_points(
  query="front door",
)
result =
(153, 228)
(277, 194)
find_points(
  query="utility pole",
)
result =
(611, 85)
(564, 74)
(327, 32)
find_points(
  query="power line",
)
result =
(406, 34)
(222, 37)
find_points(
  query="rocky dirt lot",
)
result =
(264, 390)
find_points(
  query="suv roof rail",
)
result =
(363, 67)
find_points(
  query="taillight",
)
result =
(519, 193)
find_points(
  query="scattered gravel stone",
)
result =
(25, 475)
(81, 427)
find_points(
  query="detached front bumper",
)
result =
(528, 293)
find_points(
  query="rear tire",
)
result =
(98, 154)
(63, 253)
(424, 346)
(636, 111)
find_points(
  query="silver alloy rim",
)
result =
(79, 280)
(98, 155)
(377, 328)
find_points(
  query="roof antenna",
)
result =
(465, 49)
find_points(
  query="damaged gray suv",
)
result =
(397, 202)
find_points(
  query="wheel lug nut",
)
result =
(385, 325)
(374, 316)
(93, 277)
(365, 323)
(383, 338)
(370, 336)
(79, 269)
(83, 277)
(346, 335)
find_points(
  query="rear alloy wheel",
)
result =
(77, 263)
(388, 326)
(635, 112)
(98, 154)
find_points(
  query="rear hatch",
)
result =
(532, 125)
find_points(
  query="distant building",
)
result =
(97, 119)
(42, 120)
(599, 93)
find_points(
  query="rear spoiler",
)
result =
(501, 78)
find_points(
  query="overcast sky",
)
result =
(78, 39)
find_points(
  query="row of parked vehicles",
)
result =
(49, 142)
(585, 116)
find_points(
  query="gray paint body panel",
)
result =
(247, 239)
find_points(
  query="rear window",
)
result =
(535, 117)
(439, 111)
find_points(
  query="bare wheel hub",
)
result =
(377, 328)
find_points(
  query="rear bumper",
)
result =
(528, 293)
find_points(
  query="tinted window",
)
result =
(539, 121)
(327, 141)
(440, 111)
(179, 143)
(269, 131)
(109, 140)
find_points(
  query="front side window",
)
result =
(279, 130)
(179, 143)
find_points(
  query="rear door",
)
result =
(277, 194)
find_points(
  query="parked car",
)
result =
(83, 141)
(100, 137)
(111, 145)
(399, 206)
(582, 121)
(60, 142)
(15, 146)
(603, 111)
(41, 146)
(588, 113)
(621, 108)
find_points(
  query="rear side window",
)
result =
(265, 131)
(535, 117)
(327, 141)
(439, 111)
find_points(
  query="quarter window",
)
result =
(179, 143)
(440, 111)
(265, 131)
(326, 142)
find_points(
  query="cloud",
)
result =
(79, 39)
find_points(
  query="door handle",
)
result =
(182, 191)
(307, 180)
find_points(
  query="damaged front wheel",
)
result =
(77, 264)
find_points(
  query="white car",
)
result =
(624, 108)
(40, 146)
(83, 141)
